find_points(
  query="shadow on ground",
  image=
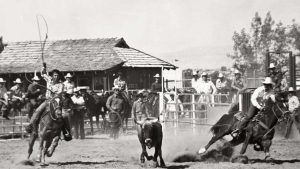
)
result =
(85, 162)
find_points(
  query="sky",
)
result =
(196, 32)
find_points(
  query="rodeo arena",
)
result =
(101, 103)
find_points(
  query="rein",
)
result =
(278, 119)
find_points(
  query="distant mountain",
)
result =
(204, 57)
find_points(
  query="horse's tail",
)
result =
(222, 125)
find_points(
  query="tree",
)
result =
(265, 34)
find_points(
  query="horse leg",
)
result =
(53, 146)
(97, 121)
(33, 137)
(45, 149)
(212, 141)
(39, 157)
(267, 144)
(246, 142)
(91, 123)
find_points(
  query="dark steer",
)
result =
(150, 134)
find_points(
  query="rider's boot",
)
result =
(34, 121)
(240, 127)
(66, 130)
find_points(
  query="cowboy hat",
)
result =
(204, 74)
(221, 75)
(68, 75)
(268, 80)
(237, 71)
(195, 73)
(35, 78)
(272, 65)
(157, 75)
(2, 81)
(291, 89)
(18, 81)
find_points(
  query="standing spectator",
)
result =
(294, 108)
(139, 110)
(222, 87)
(78, 114)
(3, 91)
(207, 89)
(174, 106)
(69, 84)
(238, 85)
(33, 94)
(156, 89)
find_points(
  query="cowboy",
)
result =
(238, 85)
(222, 87)
(34, 95)
(3, 91)
(195, 80)
(276, 76)
(14, 98)
(139, 110)
(294, 108)
(54, 88)
(119, 81)
(78, 114)
(156, 85)
(69, 84)
(258, 98)
(206, 88)
(116, 103)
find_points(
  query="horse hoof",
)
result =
(202, 150)
(240, 159)
(44, 164)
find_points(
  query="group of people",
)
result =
(36, 100)
(208, 89)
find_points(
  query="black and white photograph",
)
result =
(142, 84)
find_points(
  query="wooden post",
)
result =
(193, 110)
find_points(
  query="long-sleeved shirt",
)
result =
(17, 92)
(121, 83)
(78, 102)
(156, 87)
(221, 85)
(139, 107)
(3, 90)
(69, 86)
(56, 88)
(260, 95)
(238, 84)
(32, 91)
(115, 103)
(293, 103)
(206, 87)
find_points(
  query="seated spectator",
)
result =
(222, 87)
(174, 106)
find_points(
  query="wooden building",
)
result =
(92, 62)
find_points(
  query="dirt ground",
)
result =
(100, 152)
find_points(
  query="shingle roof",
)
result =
(74, 55)
(136, 58)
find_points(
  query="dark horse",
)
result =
(95, 106)
(259, 131)
(49, 131)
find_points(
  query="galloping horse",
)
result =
(259, 131)
(49, 131)
(94, 105)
